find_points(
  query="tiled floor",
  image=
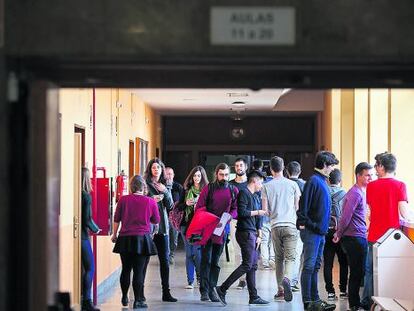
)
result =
(190, 299)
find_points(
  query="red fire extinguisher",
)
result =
(121, 185)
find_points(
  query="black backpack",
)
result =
(336, 208)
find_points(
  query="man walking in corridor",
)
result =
(280, 197)
(217, 197)
(313, 222)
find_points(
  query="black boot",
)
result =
(124, 300)
(87, 305)
(166, 296)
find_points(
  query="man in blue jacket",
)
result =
(313, 222)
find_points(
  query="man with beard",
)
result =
(240, 182)
(217, 197)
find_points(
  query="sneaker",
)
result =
(204, 297)
(213, 297)
(343, 295)
(140, 305)
(221, 295)
(295, 288)
(258, 301)
(189, 286)
(332, 297)
(241, 285)
(171, 260)
(323, 306)
(287, 289)
(279, 296)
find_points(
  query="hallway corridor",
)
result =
(190, 299)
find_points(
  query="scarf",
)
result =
(192, 193)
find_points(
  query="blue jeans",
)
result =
(313, 245)
(192, 257)
(88, 269)
(369, 278)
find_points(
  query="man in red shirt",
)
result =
(387, 202)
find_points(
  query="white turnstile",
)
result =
(393, 265)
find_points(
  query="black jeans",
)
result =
(137, 263)
(210, 269)
(247, 242)
(329, 252)
(162, 244)
(356, 252)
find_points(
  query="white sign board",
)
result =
(252, 26)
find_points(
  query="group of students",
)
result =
(292, 214)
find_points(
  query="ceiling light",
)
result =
(239, 104)
(234, 94)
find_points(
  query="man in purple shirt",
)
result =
(223, 198)
(352, 232)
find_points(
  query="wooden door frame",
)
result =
(131, 171)
(77, 223)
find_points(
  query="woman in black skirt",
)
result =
(135, 212)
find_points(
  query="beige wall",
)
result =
(135, 119)
(363, 122)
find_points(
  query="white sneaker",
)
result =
(189, 286)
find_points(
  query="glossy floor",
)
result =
(189, 299)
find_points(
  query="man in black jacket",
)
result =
(248, 236)
(177, 191)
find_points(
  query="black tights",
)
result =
(137, 263)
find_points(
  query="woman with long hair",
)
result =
(195, 181)
(135, 212)
(157, 189)
(86, 249)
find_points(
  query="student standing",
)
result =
(313, 222)
(352, 231)
(86, 249)
(387, 201)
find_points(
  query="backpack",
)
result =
(336, 208)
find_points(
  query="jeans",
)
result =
(284, 243)
(247, 242)
(192, 258)
(369, 278)
(173, 241)
(266, 247)
(137, 263)
(210, 269)
(356, 252)
(329, 252)
(161, 242)
(298, 262)
(88, 269)
(312, 256)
